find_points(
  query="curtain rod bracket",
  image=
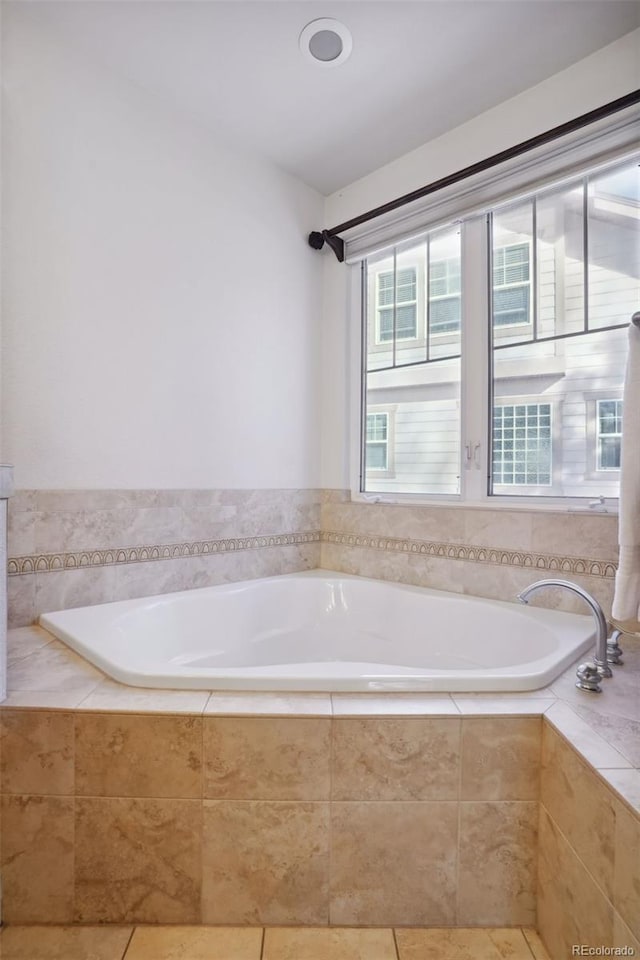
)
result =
(317, 240)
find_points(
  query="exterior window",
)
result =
(511, 289)
(406, 307)
(522, 444)
(411, 416)
(444, 295)
(377, 452)
(511, 284)
(537, 309)
(609, 434)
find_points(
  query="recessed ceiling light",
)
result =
(326, 42)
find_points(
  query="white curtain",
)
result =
(626, 602)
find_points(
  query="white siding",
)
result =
(571, 374)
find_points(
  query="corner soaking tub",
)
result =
(320, 630)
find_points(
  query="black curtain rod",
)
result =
(317, 239)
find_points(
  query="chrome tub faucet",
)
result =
(589, 674)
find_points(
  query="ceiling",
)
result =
(418, 68)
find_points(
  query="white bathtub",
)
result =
(324, 631)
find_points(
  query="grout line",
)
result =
(591, 732)
(461, 722)
(526, 940)
(78, 705)
(126, 949)
(591, 769)
(577, 856)
(264, 935)
(202, 825)
(202, 762)
(395, 943)
(74, 808)
(332, 725)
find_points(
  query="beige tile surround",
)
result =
(75, 779)
(492, 553)
(127, 818)
(345, 790)
(346, 809)
(70, 548)
(589, 856)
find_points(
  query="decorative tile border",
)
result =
(605, 569)
(55, 562)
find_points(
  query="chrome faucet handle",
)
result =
(588, 677)
(614, 650)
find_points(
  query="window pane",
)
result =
(445, 315)
(546, 407)
(610, 416)
(444, 292)
(376, 456)
(377, 424)
(406, 285)
(510, 305)
(385, 288)
(396, 305)
(426, 437)
(609, 434)
(376, 448)
(420, 449)
(560, 262)
(609, 453)
(614, 246)
(511, 253)
(522, 444)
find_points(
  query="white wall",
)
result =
(161, 304)
(604, 76)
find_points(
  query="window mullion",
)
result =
(427, 285)
(475, 360)
(395, 306)
(533, 268)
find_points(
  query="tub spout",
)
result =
(585, 676)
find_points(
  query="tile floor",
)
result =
(274, 943)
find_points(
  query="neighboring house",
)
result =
(557, 403)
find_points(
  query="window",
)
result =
(444, 295)
(404, 306)
(377, 452)
(511, 285)
(522, 444)
(609, 434)
(418, 448)
(529, 302)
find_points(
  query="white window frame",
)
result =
(475, 374)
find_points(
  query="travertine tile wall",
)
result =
(487, 553)
(589, 857)
(72, 547)
(269, 820)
